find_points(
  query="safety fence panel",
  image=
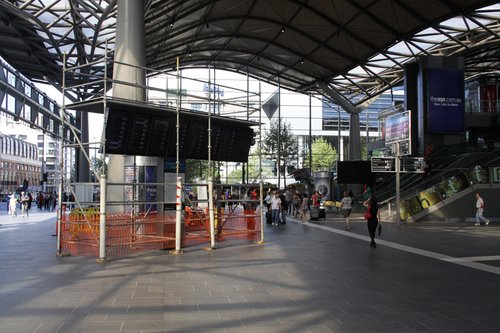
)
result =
(196, 226)
(238, 225)
(134, 226)
(125, 233)
(229, 225)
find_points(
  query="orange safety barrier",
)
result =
(239, 225)
(196, 226)
(126, 233)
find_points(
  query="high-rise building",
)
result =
(20, 167)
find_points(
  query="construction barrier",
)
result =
(127, 234)
(229, 225)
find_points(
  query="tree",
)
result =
(236, 175)
(323, 155)
(201, 169)
(288, 148)
(100, 166)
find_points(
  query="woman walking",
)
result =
(372, 216)
(346, 204)
(305, 215)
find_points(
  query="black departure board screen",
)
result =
(146, 132)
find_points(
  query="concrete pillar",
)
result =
(129, 64)
(354, 128)
(130, 50)
(354, 137)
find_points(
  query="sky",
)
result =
(233, 85)
(95, 120)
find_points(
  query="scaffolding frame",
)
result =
(90, 80)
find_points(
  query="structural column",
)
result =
(354, 128)
(129, 67)
(130, 51)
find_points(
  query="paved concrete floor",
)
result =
(305, 278)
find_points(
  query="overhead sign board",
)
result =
(383, 164)
(397, 127)
(413, 164)
(407, 165)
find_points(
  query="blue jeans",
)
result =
(479, 216)
(276, 216)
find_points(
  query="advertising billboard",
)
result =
(445, 112)
(398, 127)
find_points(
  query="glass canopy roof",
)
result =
(357, 47)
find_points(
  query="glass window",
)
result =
(196, 106)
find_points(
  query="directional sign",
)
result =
(413, 164)
(383, 164)
(404, 148)
(407, 165)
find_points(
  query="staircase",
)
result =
(456, 172)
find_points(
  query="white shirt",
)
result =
(346, 203)
(275, 202)
(479, 203)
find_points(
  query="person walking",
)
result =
(479, 211)
(284, 208)
(296, 200)
(372, 216)
(24, 204)
(276, 207)
(268, 199)
(305, 215)
(13, 206)
(346, 206)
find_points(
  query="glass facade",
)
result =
(482, 95)
(333, 115)
(19, 164)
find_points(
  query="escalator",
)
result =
(453, 178)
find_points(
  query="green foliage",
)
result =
(323, 155)
(235, 176)
(282, 134)
(199, 169)
(100, 166)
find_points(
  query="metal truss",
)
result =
(32, 106)
(358, 49)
